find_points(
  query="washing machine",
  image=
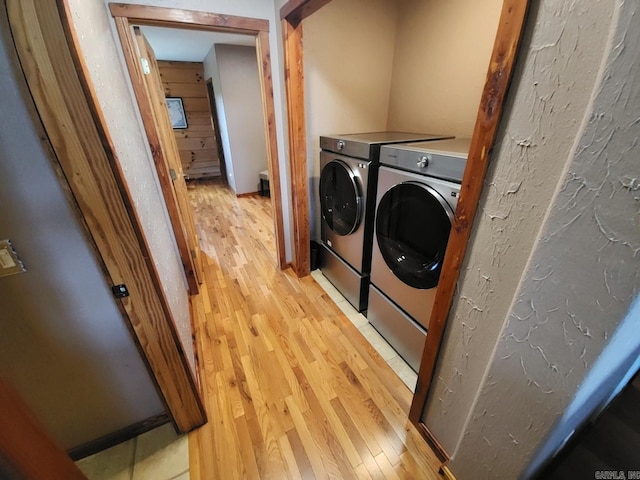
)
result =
(348, 178)
(417, 194)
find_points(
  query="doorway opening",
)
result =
(257, 31)
(212, 79)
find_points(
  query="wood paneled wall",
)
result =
(197, 143)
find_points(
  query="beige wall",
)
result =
(212, 72)
(241, 113)
(442, 51)
(348, 53)
(415, 65)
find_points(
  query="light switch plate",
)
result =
(10, 264)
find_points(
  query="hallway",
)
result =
(292, 388)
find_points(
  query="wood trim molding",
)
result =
(292, 14)
(174, 17)
(294, 78)
(433, 442)
(501, 65)
(25, 447)
(168, 17)
(446, 473)
(117, 437)
(181, 233)
(294, 11)
(67, 105)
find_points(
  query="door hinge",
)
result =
(172, 174)
(145, 66)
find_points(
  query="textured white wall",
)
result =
(63, 342)
(348, 52)
(441, 58)
(241, 101)
(541, 120)
(560, 214)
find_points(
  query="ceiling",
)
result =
(189, 45)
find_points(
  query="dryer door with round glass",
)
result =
(413, 222)
(343, 193)
(340, 198)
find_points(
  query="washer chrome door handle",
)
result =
(423, 162)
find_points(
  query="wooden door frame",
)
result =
(294, 84)
(501, 64)
(183, 228)
(164, 149)
(82, 150)
(128, 15)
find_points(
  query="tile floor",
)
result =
(402, 369)
(160, 454)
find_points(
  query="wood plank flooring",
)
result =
(292, 389)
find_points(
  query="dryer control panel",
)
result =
(444, 159)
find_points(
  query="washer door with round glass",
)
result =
(413, 222)
(340, 198)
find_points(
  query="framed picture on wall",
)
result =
(176, 112)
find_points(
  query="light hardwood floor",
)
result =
(292, 388)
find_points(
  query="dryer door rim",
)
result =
(413, 253)
(445, 205)
(344, 228)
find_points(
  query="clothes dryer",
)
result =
(348, 176)
(417, 194)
